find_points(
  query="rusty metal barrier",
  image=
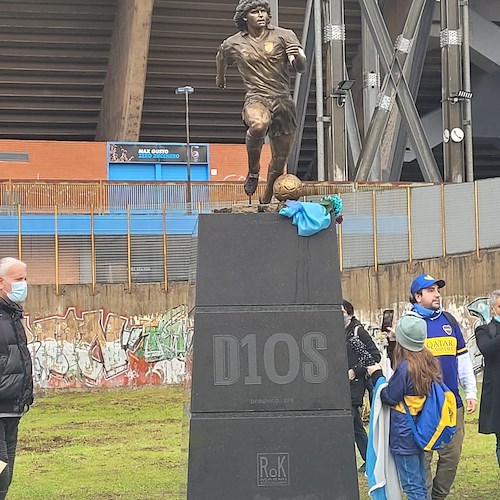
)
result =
(78, 197)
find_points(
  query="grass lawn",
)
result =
(102, 444)
(126, 443)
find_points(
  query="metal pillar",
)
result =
(334, 38)
(186, 90)
(320, 118)
(469, 152)
(451, 37)
(385, 100)
(371, 90)
(426, 160)
(302, 88)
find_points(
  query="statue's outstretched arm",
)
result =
(300, 63)
(297, 57)
(221, 64)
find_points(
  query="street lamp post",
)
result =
(186, 90)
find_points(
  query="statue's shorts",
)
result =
(281, 111)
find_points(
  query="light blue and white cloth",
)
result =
(383, 479)
(310, 218)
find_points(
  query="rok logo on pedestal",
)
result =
(273, 469)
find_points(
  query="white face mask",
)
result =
(19, 291)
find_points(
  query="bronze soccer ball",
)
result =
(287, 187)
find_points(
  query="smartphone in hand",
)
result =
(387, 319)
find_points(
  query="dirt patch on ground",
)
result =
(48, 445)
(28, 445)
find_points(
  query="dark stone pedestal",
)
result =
(270, 396)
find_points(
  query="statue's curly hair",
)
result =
(245, 6)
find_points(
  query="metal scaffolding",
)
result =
(391, 72)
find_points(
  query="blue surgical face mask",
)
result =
(19, 291)
(497, 318)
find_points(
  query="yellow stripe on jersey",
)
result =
(461, 351)
(442, 346)
(414, 403)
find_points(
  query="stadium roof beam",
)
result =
(123, 96)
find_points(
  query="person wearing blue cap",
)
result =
(446, 342)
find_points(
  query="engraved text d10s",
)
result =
(227, 350)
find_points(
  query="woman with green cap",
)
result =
(415, 371)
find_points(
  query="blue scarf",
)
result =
(426, 313)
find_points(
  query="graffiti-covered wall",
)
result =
(99, 348)
(82, 346)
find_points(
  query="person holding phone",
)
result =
(387, 327)
(355, 333)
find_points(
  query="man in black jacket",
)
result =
(357, 372)
(16, 382)
(488, 342)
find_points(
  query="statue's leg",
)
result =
(254, 148)
(257, 117)
(281, 146)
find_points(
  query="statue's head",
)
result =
(245, 6)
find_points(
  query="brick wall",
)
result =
(51, 160)
(66, 160)
(228, 162)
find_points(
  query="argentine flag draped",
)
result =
(383, 479)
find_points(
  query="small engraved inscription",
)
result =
(273, 469)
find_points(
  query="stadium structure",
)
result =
(106, 70)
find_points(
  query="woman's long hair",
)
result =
(423, 367)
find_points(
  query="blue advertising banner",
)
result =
(126, 152)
